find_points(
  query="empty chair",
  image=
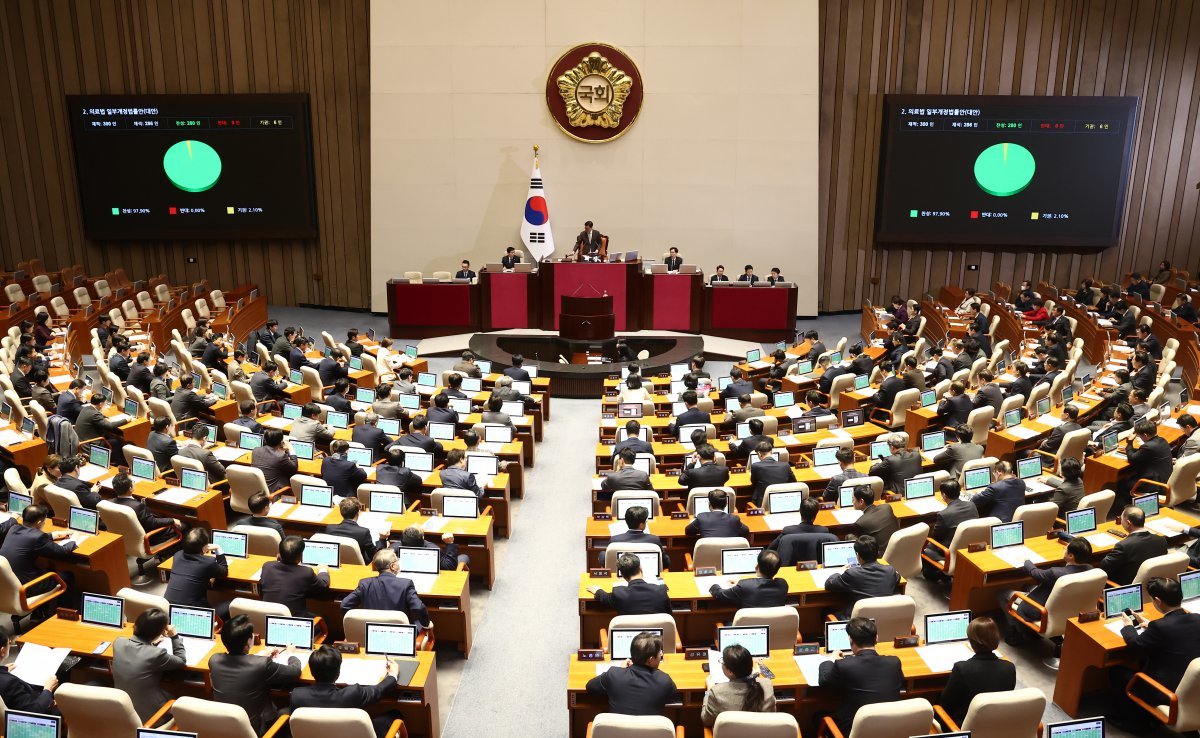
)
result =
(14, 293)
(355, 622)
(1181, 711)
(348, 550)
(968, 532)
(60, 500)
(413, 276)
(900, 719)
(344, 722)
(15, 598)
(244, 481)
(737, 724)
(137, 602)
(894, 615)
(260, 540)
(784, 622)
(613, 725)
(218, 719)
(1038, 517)
(96, 712)
(1071, 595)
(1015, 714)
(123, 521)
(442, 276)
(904, 549)
(708, 551)
(670, 636)
(1179, 488)
(1102, 501)
(1168, 566)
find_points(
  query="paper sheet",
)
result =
(308, 513)
(1017, 555)
(377, 522)
(1102, 540)
(278, 508)
(362, 671)
(1051, 420)
(703, 584)
(1168, 527)
(175, 495)
(847, 515)
(423, 582)
(840, 434)
(604, 666)
(1022, 432)
(779, 521)
(597, 484)
(1034, 487)
(1192, 605)
(1109, 381)
(433, 524)
(228, 453)
(12, 438)
(926, 505)
(617, 528)
(867, 391)
(196, 648)
(1116, 624)
(35, 664)
(276, 422)
(716, 674)
(942, 657)
(828, 470)
(810, 666)
(820, 576)
(91, 472)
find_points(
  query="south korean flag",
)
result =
(535, 225)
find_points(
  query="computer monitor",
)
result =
(1185, 396)
(131, 407)
(1081, 521)
(419, 560)
(497, 434)
(388, 502)
(1043, 406)
(99, 455)
(302, 449)
(846, 493)
(17, 502)
(409, 401)
(835, 358)
(360, 456)
(291, 411)
(754, 638)
(852, 418)
(316, 495)
(685, 431)
(836, 638)
(977, 478)
(838, 553)
(620, 640)
(249, 441)
(933, 441)
(723, 382)
(1012, 418)
(472, 385)
(1068, 394)
(317, 553)
(928, 397)
(1109, 441)
(753, 355)
(732, 405)
(426, 379)
(485, 366)
(918, 488)
(785, 502)
(1008, 534)
(107, 393)
(418, 461)
(83, 520)
(295, 376)
(142, 470)
(390, 426)
(1030, 467)
(337, 419)
(1119, 599)
(194, 622)
(642, 464)
(825, 455)
(947, 627)
(862, 381)
(28, 426)
(390, 639)
(355, 363)
(103, 610)
(630, 410)
(441, 431)
(783, 399)
(286, 631)
(743, 431)
(231, 543)
(483, 464)
(221, 390)
(739, 560)
(1086, 728)
(513, 408)
(455, 506)
(31, 725)
(804, 367)
(677, 371)
(210, 432)
(410, 351)
(1189, 582)
(651, 563)
(523, 387)
(365, 395)
(460, 405)
(193, 480)
(1148, 504)
(624, 503)
(880, 450)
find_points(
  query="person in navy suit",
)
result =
(717, 522)
(867, 579)
(516, 371)
(864, 677)
(956, 409)
(349, 528)
(455, 474)
(246, 419)
(751, 442)
(296, 357)
(761, 590)
(70, 481)
(26, 543)
(417, 437)
(387, 591)
(1003, 496)
(705, 472)
(637, 597)
(69, 404)
(633, 439)
(21, 695)
(1077, 559)
(640, 688)
(738, 387)
(691, 416)
(635, 520)
(192, 572)
(368, 434)
(325, 663)
(338, 396)
(341, 473)
(674, 260)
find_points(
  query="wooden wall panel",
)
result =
(53, 48)
(869, 48)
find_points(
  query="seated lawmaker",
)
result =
(448, 558)
(350, 508)
(288, 582)
(510, 258)
(637, 596)
(1123, 561)
(719, 275)
(193, 569)
(704, 471)
(717, 522)
(867, 579)
(624, 476)
(246, 680)
(325, 664)
(635, 520)
(1077, 559)
(863, 677)
(464, 271)
(745, 690)
(1003, 496)
(633, 440)
(692, 415)
(19, 694)
(982, 673)
(761, 590)
(388, 591)
(640, 688)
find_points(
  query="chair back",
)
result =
(699, 495)
(968, 532)
(244, 481)
(442, 276)
(1038, 517)
(893, 719)
(633, 494)
(782, 488)
(1015, 714)
(1188, 697)
(348, 550)
(904, 549)
(123, 521)
(322, 722)
(613, 725)
(1168, 566)
(327, 338)
(739, 724)
(894, 615)
(365, 491)
(241, 391)
(61, 500)
(96, 712)
(653, 620)
(138, 602)
(299, 480)
(1073, 445)
(413, 276)
(1181, 486)
(1071, 595)
(179, 462)
(784, 622)
(708, 550)
(354, 622)
(1102, 501)
(903, 402)
(257, 611)
(980, 422)
(12, 480)
(841, 383)
(260, 540)
(211, 719)
(612, 553)
(435, 498)
(988, 462)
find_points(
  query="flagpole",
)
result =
(537, 166)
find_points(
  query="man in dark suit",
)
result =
(246, 417)
(637, 597)
(417, 438)
(194, 448)
(914, 377)
(878, 520)
(455, 475)
(956, 512)
(635, 520)
(91, 422)
(1003, 496)
(640, 688)
(943, 368)
(387, 591)
(860, 363)
(1124, 321)
(674, 260)
(288, 582)
(21, 695)
(633, 440)
(1077, 559)
(1070, 418)
(69, 405)
(832, 372)
(259, 504)
(274, 459)
(902, 465)
(691, 416)
(767, 471)
(70, 481)
(333, 367)
(717, 522)
(1144, 374)
(338, 396)
(956, 407)
(1151, 461)
(440, 411)
(265, 384)
(989, 394)
(341, 473)
(719, 275)
(516, 371)
(140, 374)
(956, 455)
(761, 590)
(118, 363)
(588, 242)
(1060, 323)
(1184, 310)
(864, 677)
(349, 528)
(625, 476)
(889, 387)
(751, 442)
(238, 678)
(868, 578)
(809, 507)
(121, 493)
(465, 271)
(26, 543)
(815, 346)
(738, 387)
(1122, 562)
(748, 274)
(706, 472)
(392, 471)
(187, 403)
(161, 444)
(215, 356)
(297, 359)
(325, 663)
(1022, 385)
(845, 459)
(510, 258)
(368, 434)
(192, 572)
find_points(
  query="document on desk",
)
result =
(1102, 540)
(283, 656)
(228, 453)
(175, 495)
(367, 672)
(840, 434)
(795, 411)
(1051, 420)
(617, 528)
(377, 522)
(820, 576)
(867, 391)
(1022, 432)
(278, 509)
(828, 470)
(608, 422)
(433, 524)
(276, 422)
(1034, 487)
(847, 515)
(35, 664)
(789, 440)
(604, 666)
(926, 505)
(195, 648)
(716, 673)
(91, 472)
(1116, 624)
(1167, 527)
(810, 666)
(779, 521)
(942, 657)
(308, 513)
(423, 582)
(1109, 381)
(1193, 409)
(12, 438)
(1015, 556)
(1192, 605)
(703, 584)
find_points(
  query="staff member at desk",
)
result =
(983, 672)
(719, 276)
(674, 261)
(464, 271)
(1183, 309)
(1169, 645)
(864, 677)
(903, 464)
(325, 663)
(26, 543)
(511, 258)
(388, 591)
(867, 579)
(1003, 496)
(640, 688)
(637, 597)
(588, 242)
(246, 681)
(139, 663)
(748, 274)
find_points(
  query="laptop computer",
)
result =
(426, 379)
(20, 724)
(303, 449)
(390, 426)
(622, 505)
(441, 431)
(783, 399)
(231, 543)
(455, 506)
(620, 640)
(365, 395)
(103, 610)
(421, 565)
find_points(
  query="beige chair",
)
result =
(638, 494)
(738, 724)
(96, 712)
(348, 550)
(244, 482)
(442, 276)
(414, 276)
(980, 422)
(987, 462)
(138, 547)
(179, 463)
(15, 598)
(783, 621)
(344, 722)
(138, 602)
(366, 490)
(614, 550)
(968, 532)
(671, 642)
(232, 433)
(355, 621)
(327, 338)
(61, 500)
(895, 416)
(904, 549)
(900, 719)
(1071, 595)
(841, 383)
(14, 293)
(1102, 501)
(1179, 488)
(707, 551)
(12, 480)
(894, 615)
(783, 488)
(217, 719)
(260, 540)
(1168, 566)
(613, 725)
(1073, 446)
(1178, 710)
(1038, 517)
(697, 500)
(1015, 714)
(298, 481)
(435, 498)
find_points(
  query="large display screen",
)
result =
(1004, 170)
(194, 166)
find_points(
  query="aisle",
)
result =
(515, 681)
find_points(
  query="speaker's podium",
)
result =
(586, 318)
(619, 281)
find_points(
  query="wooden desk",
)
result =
(498, 494)
(26, 455)
(1088, 649)
(448, 600)
(98, 564)
(206, 509)
(417, 701)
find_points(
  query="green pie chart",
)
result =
(192, 166)
(1004, 169)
